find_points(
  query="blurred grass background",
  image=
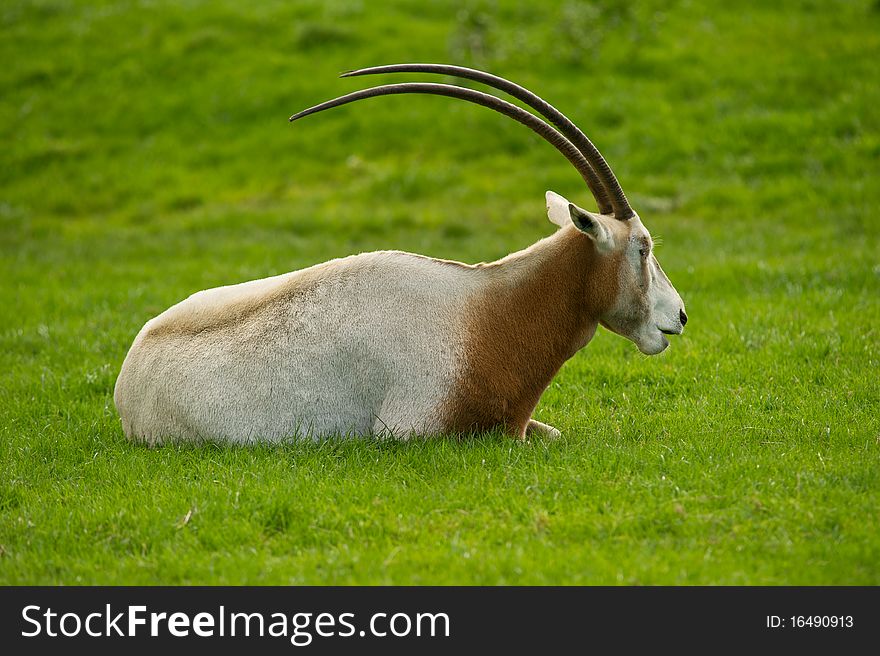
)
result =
(146, 155)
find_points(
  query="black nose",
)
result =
(682, 317)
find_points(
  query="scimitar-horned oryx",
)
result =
(395, 343)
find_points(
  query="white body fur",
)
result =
(360, 345)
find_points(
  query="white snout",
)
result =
(652, 343)
(677, 330)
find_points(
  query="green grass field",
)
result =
(146, 155)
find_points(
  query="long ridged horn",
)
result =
(548, 132)
(610, 186)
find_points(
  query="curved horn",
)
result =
(618, 201)
(548, 132)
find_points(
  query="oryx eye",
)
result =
(643, 252)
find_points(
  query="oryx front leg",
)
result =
(535, 427)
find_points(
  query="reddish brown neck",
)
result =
(537, 309)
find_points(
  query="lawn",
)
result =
(146, 155)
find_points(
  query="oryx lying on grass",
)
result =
(390, 342)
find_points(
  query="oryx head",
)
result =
(646, 306)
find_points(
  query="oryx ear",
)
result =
(557, 209)
(591, 225)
